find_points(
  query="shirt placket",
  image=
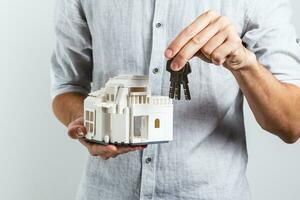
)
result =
(156, 72)
(159, 35)
(148, 173)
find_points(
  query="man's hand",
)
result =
(76, 130)
(212, 38)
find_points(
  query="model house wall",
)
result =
(124, 112)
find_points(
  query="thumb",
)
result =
(77, 132)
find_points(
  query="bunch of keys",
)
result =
(177, 79)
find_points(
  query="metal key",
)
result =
(177, 79)
(172, 80)
(185, 81)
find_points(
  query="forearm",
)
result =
(275, 105)
(68, 107)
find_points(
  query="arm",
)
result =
(71, 75)
(214, 39)
(68, 107)
(275, 105)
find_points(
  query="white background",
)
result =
(39, 162)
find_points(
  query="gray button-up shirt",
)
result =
(99, 39)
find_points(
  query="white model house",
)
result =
(124, 112)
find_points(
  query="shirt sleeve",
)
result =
(272, 37)
(72, 66)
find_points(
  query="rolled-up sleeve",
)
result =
(72, 63)
(272, 37)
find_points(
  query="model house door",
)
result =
(140, 127)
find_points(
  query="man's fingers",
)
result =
(233, 59)
(109, 151)
(213, 44)
(127, 149)
(97, 149)
(77, 131)
(123, 150)
(203, 57)
(120, 150)
(199, 41)
(189, 32)
(221, 53)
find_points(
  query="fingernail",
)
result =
(174, 66)
(80, 132)
(168, 53)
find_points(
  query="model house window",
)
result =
(138, 89)
(87, 115)
(157, 123)
(92, 116)
(89, 121)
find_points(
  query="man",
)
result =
(253, 51)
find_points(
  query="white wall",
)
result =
(273, 169)
(38, 161)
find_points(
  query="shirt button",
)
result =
(155, 70)
(148, 160)
(298, 40)
(158, 25)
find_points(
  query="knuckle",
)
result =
(189, 31)
(235, 53)
(230, 29)
(223, 20)
(197, 40)
(174, 46)
(238, 41)
(181, 57)
(210, 13)
(216, 56)
(206, 50)
(235, 42)
(232, 35)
